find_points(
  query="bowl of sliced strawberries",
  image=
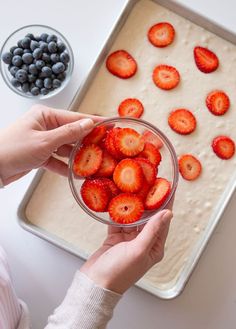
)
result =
(123, 172)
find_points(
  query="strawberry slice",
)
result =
(190, 167)
(151, 153)
(131, 107)
(95, 194)
(107, 166)
(224, 147)
(182, 121)
(126, 208)
(87, 160)
(205, 59)
(161, 34)
(217, 102)
(144, 190)
(149, 170)
(95, 136)
(166, 77)
(121, 64)
(158, 194)
(129, 142)
(110, 143)
(149, 137)
(114, 191)
(128, 176)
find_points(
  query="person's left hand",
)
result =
(33, 140)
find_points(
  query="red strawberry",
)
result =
(131, 107)
(95, 136)
(125, 208)
(217, 102)
(128, 176)
(161, 34)
(110, 143)
(150, 137)
(95, 194)
(87, 160)
(224, 147)
(158, 194)
(166, 77)
(129, 142)
(121, 64)
(114, 191)
(189, 167)
(144, 190)
(151, 153)
(107, 166)
(182, 121)
(149, 170)
(205, 60)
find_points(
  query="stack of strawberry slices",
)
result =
(120, 168)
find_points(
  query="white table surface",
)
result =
(41, 271)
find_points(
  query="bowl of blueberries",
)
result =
(36, 61)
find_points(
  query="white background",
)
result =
(42, 272)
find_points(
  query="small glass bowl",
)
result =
(37, 30)
(168, 169)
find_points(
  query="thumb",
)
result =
(70, 132)
(156, 229)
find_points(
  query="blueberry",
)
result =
(37, 53)
(40, 64)
(19, 44)
(32, 85)
(56, 83)
(13, 70)
(61, 76)
(25, 67)
(27, 51)
(55, 58)
(58, 68)
(33, 69)
(64, 57)
(51, 37)
(25, 87)
(30, 36)
(12, 49)
(61, 46)
(46, 58)
(47, 71)
(27, 58)
(53, 76)
(34, 44)
(44, 91)
(37, 38)
(26, 42)
(18, 51)
(52, 47)
(42, 75)
(35, 91)
(17, 60)
(7, 58)
(44, 37)
(21, 75)
(39, 83)
(32, 77)
(15, 82)
(43, 45)
(47, 83)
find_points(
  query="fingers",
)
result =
(57, 166)
(64, 151)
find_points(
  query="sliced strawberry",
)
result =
(144, 190)
(149, 137)
(107, 166)
(224, 147)
(151, 153)
(161, 34)
(129, 142)
(128, 176)
(190, 167)
(95, 194)
(205, 59)
(126, 208)
(121, 64)
(158, 194)
(131, 107)
(182, 121)
(95, 136)
(114, 191)
(87, 160)
(217, 102)
(110, 143)
(149, 170)
(166, 77)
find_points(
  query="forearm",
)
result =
(86, 306)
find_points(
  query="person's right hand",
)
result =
(126, 255)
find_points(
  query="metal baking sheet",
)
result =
(228, 192)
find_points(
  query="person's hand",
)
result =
(33, 140)
(126, 255)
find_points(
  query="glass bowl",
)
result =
(168, 169)
(36, 30)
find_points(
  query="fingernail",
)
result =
(167, 214)
(86, 124)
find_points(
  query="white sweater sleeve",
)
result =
(85, 306)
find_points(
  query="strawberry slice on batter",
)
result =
(87, 160)
(166, 77)
(158, 194)
(151, 153)
(189, 167)
(121, 64)
(205, 59)
(161, 34)
(217, 102)
(126, 208)
(95, 194)
(129, 142)
(182, 121)
(131, 107)
(224, 147)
